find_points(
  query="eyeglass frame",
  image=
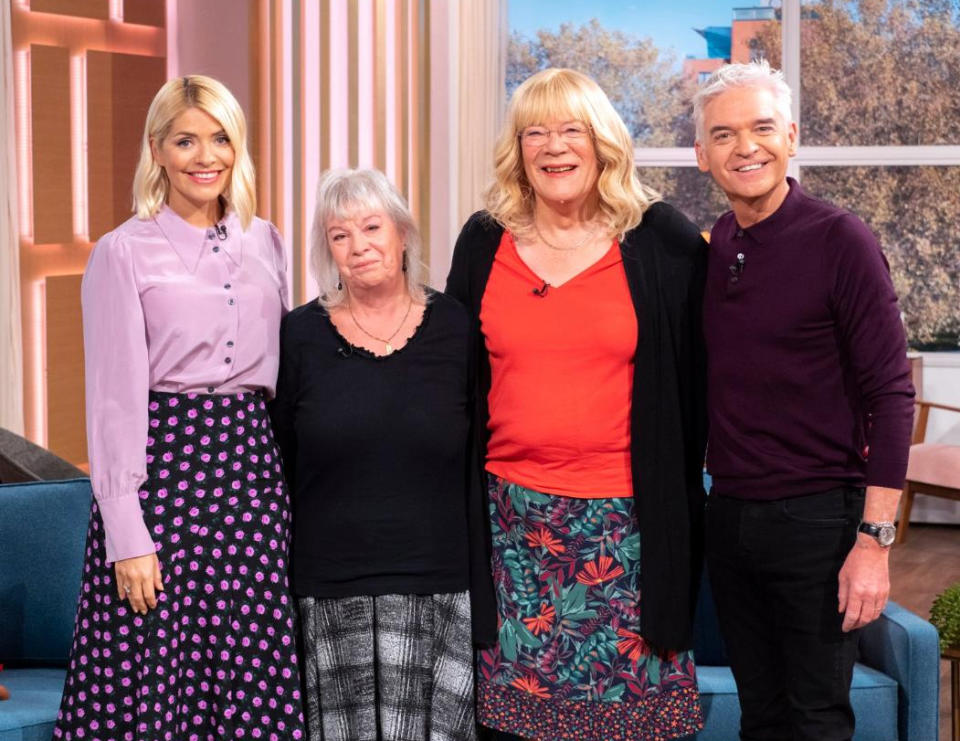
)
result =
(568, 139)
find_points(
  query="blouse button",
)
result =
(211, 234)
(210, 389)
(228, 360)
(226, 286)
(229, 343)
(216, 249)
(739, 234)
(231, 302)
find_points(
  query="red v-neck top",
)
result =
(561, 376)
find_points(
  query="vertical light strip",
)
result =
(790, 20)
(116, 10)
(35, 377)
(366, 51)
(441, 174)
(278, 53)
(78, 145)
(293, 157)
(24, 105)
(341, 96)
(394, 90)
(412, 144)
(287, 170)
(324, 70)
(380, 56)
(312, 130)
(173, 55)
(264, 106)
(31, 318)
(405, 92)
(353, 123)
(422, 182)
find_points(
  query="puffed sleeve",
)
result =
(117, 386)
(280, 262)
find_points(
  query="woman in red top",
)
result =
(585, 291)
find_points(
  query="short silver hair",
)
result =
(341, 192)
(753, 74)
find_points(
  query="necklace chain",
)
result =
(552, 246)
(388, 348)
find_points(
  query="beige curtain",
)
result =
(482, 100)
(11, 346)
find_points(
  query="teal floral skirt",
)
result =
(570, 662)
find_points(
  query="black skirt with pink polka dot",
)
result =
(216, 659)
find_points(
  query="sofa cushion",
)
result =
(721, 706)
(34, 701)
(43, 527)
(873, 694)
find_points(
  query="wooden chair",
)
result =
(934, 468)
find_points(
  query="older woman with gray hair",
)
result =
(373, 418)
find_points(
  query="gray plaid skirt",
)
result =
(390, 668)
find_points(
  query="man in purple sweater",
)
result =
(810, 405)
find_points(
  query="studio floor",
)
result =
(920, 569)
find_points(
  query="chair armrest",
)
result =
(936, 405)
(923, 414)
(905, 647)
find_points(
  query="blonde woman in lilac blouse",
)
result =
(185, 623)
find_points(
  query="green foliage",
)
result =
(598, 647)
(945, 616)
(524, 637)
(615, 693)
(513, 561)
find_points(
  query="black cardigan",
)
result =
(665, 263)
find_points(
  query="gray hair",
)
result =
(341, 192)
(754, 74)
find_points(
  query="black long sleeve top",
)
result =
(375, 451)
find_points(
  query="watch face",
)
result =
(887, 535)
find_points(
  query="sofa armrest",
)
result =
(905, 647)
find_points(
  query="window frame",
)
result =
(813, 156)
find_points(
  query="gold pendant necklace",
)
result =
(552, 246)
(387, 347)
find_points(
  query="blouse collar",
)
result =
(189, 241)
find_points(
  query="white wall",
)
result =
(941, 383)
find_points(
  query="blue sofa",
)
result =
(42, 535)
(43, 527)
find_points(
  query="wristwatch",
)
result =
(882, 532)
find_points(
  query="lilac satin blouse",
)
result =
(168, 306)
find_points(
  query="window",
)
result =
(874, 87)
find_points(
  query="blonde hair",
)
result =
(565, 94)
(151, 187)
(341, 192)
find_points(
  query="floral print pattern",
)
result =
(570, 661)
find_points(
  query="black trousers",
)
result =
(773, 569)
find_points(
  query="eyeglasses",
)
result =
(537, 136)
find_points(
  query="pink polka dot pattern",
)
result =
(216, 659)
